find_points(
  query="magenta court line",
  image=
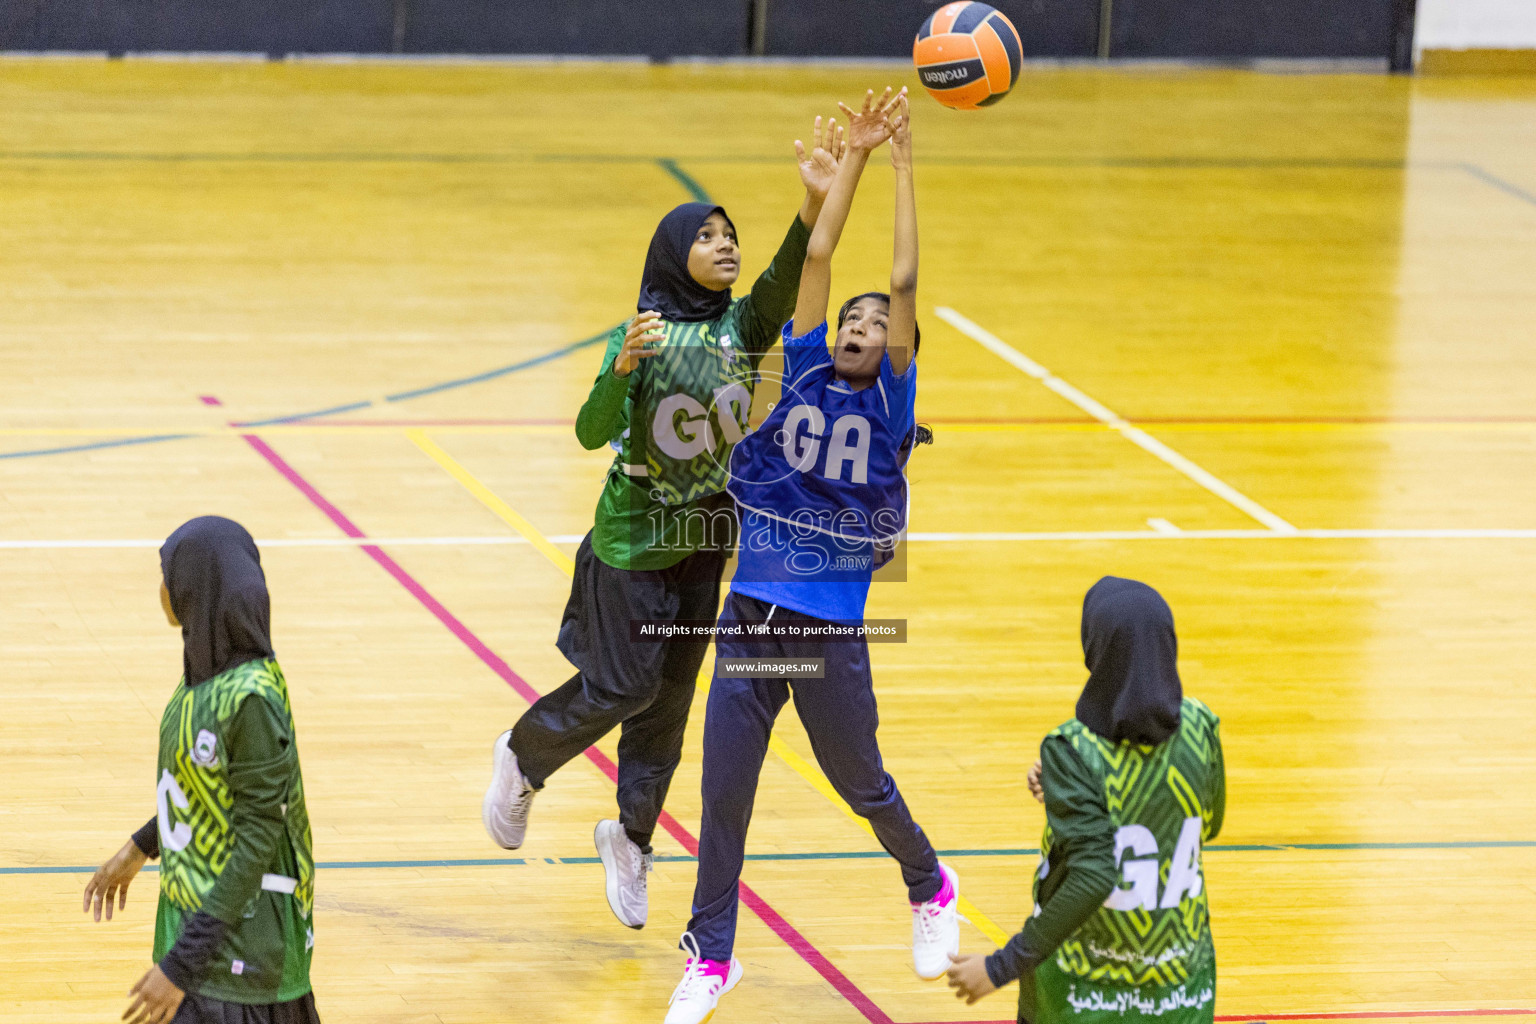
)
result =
(1262, 1018)
(1258, 1018)
(759, 906)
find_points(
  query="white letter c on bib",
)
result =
(177, 837)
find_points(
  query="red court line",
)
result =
(1259, 1018)
(772, 918)
(1381, 1014)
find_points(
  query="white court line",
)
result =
(1006, 352)
(1045, 536)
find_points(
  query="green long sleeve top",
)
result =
(1080, 871)
(260, 751)
(675, 418)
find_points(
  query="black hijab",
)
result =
(666, 286)
(1133, 690)
(219, 595)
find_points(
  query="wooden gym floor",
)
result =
(1260, 340)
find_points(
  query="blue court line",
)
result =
(121, 442)
(502, 371)
(566, 350)
(433, 389)
(1022, 851)
(332, 411)
(1499, 183)
(694, 188)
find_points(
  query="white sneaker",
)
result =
(936, 929)
(504, 811)
(704, 982)
(626, 868)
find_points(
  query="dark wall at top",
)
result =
(658, 28)
(267, 26)
(885, 28)
(714, 28)
(1251, 28)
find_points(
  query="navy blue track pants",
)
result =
(840, 717)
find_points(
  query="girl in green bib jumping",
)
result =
(235, 932)
(672, 397)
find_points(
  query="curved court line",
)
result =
(668, 165)
(776, 922)
(502, 371)
(119, 443)
(783, 751)
(694, 188)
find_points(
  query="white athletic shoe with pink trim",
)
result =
(704, 982)
(936, 928)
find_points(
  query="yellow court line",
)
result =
(490, 500)
(807, 771)
(810, 773)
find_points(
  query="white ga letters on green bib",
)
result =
(1139, 871)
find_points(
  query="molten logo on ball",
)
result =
(947, 76)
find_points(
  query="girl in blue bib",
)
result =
(822, 494)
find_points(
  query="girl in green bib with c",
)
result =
(235, 931)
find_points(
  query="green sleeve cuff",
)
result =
(602, 414)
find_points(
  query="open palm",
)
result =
(819, 166)
(869, 127)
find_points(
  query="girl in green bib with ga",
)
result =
(235, 932)
(1133, 788)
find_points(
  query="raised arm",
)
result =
(602, 415)
(901, 327)
(867, 129)
(772, 299)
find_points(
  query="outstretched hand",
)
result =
(110, 882)
(869, 127)
(819, 166)
(901, 132)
